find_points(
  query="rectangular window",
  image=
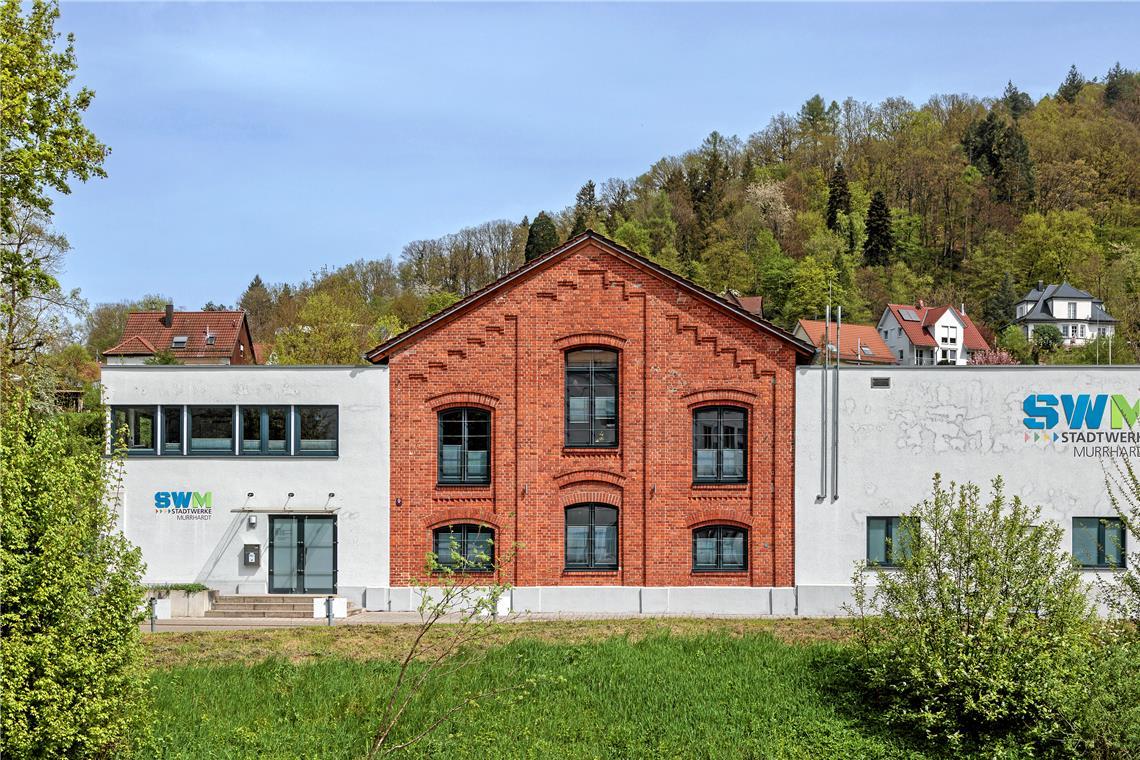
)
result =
(133, 427)
(591, 398)
(1083, 330)
(719, 435)
(171, 430)
(719, 547)
(264, 430)
(591, 537)
(1072, 310)
(317, 430)
(212, 430)
(465, 446)
(889, 541)
(1098, 542)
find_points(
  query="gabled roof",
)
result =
(148, 329)
(132, 346)
(383, 351)
(857, 343)
(920, 332)
(754, 305)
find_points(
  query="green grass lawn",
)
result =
(637, 689)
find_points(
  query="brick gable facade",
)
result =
(678, 351)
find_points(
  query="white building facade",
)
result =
(1049, 432)
(924, 336)
(256, 479)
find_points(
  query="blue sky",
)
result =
(278, 138)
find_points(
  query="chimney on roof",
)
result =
(1041, 286)
(921, 304)
(168, 318)
(962, 308)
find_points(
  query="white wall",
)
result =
(209, 550)
(965, 422)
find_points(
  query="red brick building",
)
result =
(611, 422)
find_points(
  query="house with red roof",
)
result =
(927, 335)
(857, 344)
(191, 337)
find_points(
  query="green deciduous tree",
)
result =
(981, 636)
(45, 141)
(542, 236)
(1013, 340)
(325, 333)
(1046, 338)
(880, 241)
(73, 681)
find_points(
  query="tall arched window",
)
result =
(465, 547)
(465, 446)
(591, 537)
(591, 397)
(719, 436)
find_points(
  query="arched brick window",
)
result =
(720, 547)
(464, 547)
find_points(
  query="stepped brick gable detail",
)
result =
(503, 350)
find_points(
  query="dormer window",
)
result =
(179, 341)
(1072, 309)
(210, 338)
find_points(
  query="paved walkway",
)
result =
(381, 618)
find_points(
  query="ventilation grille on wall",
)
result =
(880, 382)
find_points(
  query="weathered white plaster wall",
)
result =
(964, 422)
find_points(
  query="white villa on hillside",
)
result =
(926, 335)
(1078, 315)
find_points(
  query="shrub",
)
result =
(982, 635)
(73, 681)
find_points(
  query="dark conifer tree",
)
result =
(1016, 101)
(585, 208)
(542, 236)
(1119, 83)
(1072, 85)
(998, 309)
(838, 197)
(880, 242)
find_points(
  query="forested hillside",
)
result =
(959, 200)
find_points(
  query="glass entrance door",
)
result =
(302, 554)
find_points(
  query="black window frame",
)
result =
(180, 411)
(1102, 542)
(719, 478)
(892, 522)
(297, 432)
(462, 542)
(154, 424)
(591, 565)
(263, 449)
(463, 479)
(566, 424)
(235, 430)
(720, 566)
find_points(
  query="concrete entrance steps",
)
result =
(270, 606)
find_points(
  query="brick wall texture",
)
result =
(677, 352)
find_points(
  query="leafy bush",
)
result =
(73, 681)
(982, 636)
(187, 587)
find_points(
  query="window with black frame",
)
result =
(465, 547)
(317, 430)
(264, 430)
(591, 398)
(171, 430)
(134, 427)
(1098, 542)
(890, 540)
(591, 537)
(212, 430)
(465, 446)
(720, 547)
(719, 444)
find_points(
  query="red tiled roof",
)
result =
(132, 346)
(149, 328)
(920, 333)
(751, 304)
(852, 340)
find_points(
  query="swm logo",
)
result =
(183, 500)
(1044, 411)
